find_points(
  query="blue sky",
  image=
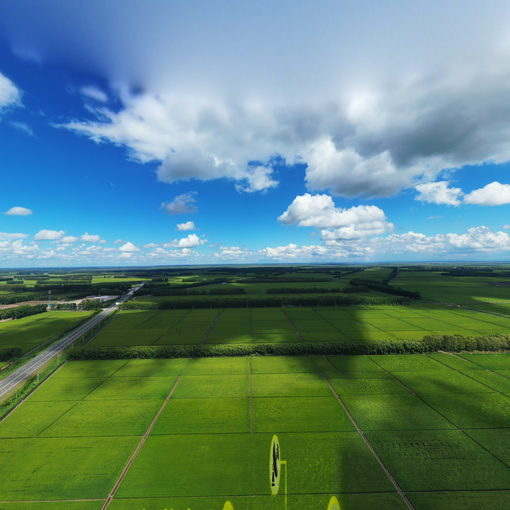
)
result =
(186, 133)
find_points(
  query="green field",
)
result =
(439, 423)
(29, 332)
(352, 324)
(482, 293)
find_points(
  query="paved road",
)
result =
(31, 368)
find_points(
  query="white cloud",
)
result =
(90, 238)
(182, 204)
(17, 249)
(439, 193)
(494, 193)
(190, 241)
(18, 211)
(474, 242)
(390, 114)
(293, 251)
(69, 239)
(150, 246)
(188, 225)
(23, 127)
(9, 93)
(94, 93)
(49, 235)
(129, 247)
(320, 211)
(233, 252)
(5, 236)
(257, 178)
(411, 132)
(162, 254)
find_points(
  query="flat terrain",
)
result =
(482, 292)
(29, 332)
(439, 423)
(350, 324)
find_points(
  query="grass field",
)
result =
(439, 423)
(482, 293)
(29, 332)
(277, 325)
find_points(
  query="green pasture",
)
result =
(440, 424)
(29, 332)
(349, 324)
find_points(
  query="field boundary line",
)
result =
(473, 363)
(140, 445)
(458, 306)
(82, 399)
(367, 442)
(293, 324)
(456, 427)
(212, 326)
(51, 374)
(250, 382)
(469, 376)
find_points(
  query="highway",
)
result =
(31, 367)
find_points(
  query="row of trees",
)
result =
(21, 311)
(434, 343)
(261, 301)
(386, 288)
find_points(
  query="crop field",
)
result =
(482, 293)
(277, 325)
(195, 434)
(29, 332)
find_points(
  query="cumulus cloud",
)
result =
(410, 132)
(9, 93)
(69, 239)
(494, 193)
(320, 211)
(476, 239)
(162, 254)
(190, 241)
(182, 204)
(439, 193)
(90, 238)
(49, 235)
(258, 178)
(5, 236)
(18, 211)
(392, 114)
(188, 225)
(293, 251)
(129, 247)
(233, 252)
(475, 242)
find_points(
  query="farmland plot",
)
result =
(30, 332)
(204, 428)
(346, 325)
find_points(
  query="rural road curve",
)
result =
(31, 367)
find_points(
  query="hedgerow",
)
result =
(8, 353)
(431, 343)
(21, 311)
(226, 302)
(384, 287)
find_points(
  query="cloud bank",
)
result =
(368, 114)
